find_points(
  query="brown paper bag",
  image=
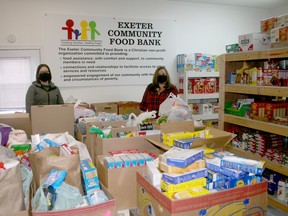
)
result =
(49, 158)
(11, 194)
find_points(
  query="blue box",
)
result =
(238, 174)
(179, 178)
(184, 158)
(90, 178)
(247, 180)
(214, 176)
(243, 164)
(185, 143)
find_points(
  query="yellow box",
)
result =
(192, 192)
(200, 182)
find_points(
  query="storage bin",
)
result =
(244, 110)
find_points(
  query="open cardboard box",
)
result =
(108, 107)
(245, 200)
(121, 182)
(98, 146)
(100, 124)
(219, 140)
(103, 146)
(17, 121)
(52, 119)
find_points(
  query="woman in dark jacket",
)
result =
(43, 91)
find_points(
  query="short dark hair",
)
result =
(37, 72)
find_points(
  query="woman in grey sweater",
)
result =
(43, 91)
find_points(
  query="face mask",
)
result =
(45, 77)
(162, 78)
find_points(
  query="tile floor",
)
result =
(275, 212)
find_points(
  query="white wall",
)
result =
(280, 10)
(199, 28)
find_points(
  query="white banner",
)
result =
(103, 51)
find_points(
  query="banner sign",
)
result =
(103, 51)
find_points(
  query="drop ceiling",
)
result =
(265, 4)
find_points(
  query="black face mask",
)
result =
(45, 77)
(162, 78)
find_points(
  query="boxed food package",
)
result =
(199, 62)
(204, 62)
(254, 41)
(185, 62)
(268, 24)
(198, 86)
(210, 85)
(282, 20)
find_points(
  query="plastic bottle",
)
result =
(281, 190)
(271, 185)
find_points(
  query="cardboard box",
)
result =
(245, 200)
(121, 182)
(254, 41)
(17, 121)
(127, 107)
(104, 146)
(102, 209)
(219, 136)
(109, 107)
(52, 119)
(250, 199)
(90, 143)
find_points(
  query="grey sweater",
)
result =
(39, 95)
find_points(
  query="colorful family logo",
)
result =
(83, 33)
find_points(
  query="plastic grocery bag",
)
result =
(132, 120)
(16, 137)
(172, 102)
(4, 134)
(80, 111)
